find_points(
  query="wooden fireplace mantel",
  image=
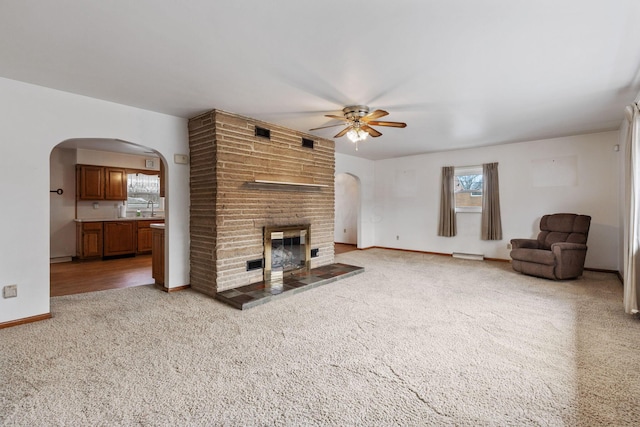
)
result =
(301, 181)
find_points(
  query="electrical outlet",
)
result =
(509, 246)
(10, 291)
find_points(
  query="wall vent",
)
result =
(307, 143)
(255, 264)
(474, 257)
(314, 253)
(262, 132)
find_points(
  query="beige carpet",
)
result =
(415, 340)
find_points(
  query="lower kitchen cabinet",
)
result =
(144, 235)
(119, 238)
(157, 257)
(111, 238)
(89, 240)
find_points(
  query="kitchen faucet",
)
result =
(152, 205)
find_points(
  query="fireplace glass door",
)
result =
(287, 251)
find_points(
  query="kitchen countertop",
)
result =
(129, 218)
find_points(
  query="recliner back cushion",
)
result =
(562, 227)
(577, 238)
(548, 238)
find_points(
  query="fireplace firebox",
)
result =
(287, 250)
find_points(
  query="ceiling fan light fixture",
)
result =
(357, 135)
(358, 123)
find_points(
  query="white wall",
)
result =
(364, 171)
(407, 195)
(347, 204)
(62, 229)
(36, 119)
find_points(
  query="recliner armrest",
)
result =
(524, 244)
(561, 246)
(569, 259)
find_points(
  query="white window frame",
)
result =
(468, 170)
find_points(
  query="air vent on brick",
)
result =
(255, 264)
(262, 132)
(307, 143)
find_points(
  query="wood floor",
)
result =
(340, 248)
(77, 277)
(68, 278)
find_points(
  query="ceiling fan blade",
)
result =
(373, 115)
(391, 124)
(337, 117)
(371, 131)
(343, 131)
(330, 126)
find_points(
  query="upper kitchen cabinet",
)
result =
(90, 182)
(115, 184)
(101, 183)
(163, 181)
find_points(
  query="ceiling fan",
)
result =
(359, 121)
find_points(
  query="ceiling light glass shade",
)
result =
(356, 134)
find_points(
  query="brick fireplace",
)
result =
(248, 177)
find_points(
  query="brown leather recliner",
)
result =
(558, 252)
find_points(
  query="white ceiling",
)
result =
(460, 73)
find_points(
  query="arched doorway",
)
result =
(131, 268)
(347, 209)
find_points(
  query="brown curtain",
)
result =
(447, 225)
(491, 222)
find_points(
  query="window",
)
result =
(143, 191)
(468, 188)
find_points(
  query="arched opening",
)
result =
(102, 239)
(347, 212)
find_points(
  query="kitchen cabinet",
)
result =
(115, 183)
(96, 239)
(144, 235)
(89, 182)
(119, 238)
(163, 181)
(101, 183)
(89, 238)
(157, 257)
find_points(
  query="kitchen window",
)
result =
(143, 192)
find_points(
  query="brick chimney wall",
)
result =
(229, 211)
